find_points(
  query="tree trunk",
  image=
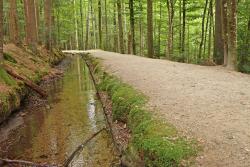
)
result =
(150, 28)
(82, 30)
(1, 32)
(159, 31)
(218, 41)
(141, 30)
(120, 26)
(180, 29)
(132, 25)
(202, 31)
(48, 23)
(210, 30)
(37, 20)
(170, 6)
(13, 23)
(76, 26)
(183, 29)
(232, 35)
(31, 28)
(224, 30)
(107, 45)
(115, 30)
(100, 23)
(87, 29)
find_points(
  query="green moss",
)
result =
(157, 141)
(6, 79)
(9, 58)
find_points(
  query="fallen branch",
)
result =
(27, 82)
(80, 147)
(8, 162)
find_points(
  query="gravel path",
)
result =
(210, 104)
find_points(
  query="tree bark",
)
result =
(76, 26)
(87, 29)
(170, 6)
(100, 23)
(141, 30)
(48, 23)
(31, 28)
(218, 41)
(1, 33)
(82, 30)
(202, 30)
(132, 26)
(159, 31)
(107, 45)
(232, 35)
(150, 28)
(183, 29)
(13, 23)
(121, 40)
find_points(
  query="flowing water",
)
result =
(51, 134)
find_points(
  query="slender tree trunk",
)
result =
(132, 25)
(180, 29)
(150, 28)
(170, 6)
(1, 32)
(76, 26)
(224, 30)
(141, 30)
(159, 31)
(115, 49)
(218, 41)
(202, 30)
(82, 30)
(119, 9)
(100, 23)
(13, 23)
(93, 26)
(106, 28)
(210, 30)
(48, 23)
(183, 29)
(87, 28)
(37, 12)
(232, 35)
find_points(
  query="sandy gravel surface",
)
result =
(211, 104)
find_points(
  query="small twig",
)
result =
(80, 147)
(22, 162)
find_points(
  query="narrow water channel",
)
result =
(51, 134)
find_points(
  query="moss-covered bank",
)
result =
(153, 142)
(27, 64)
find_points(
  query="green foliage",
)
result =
(9, 58)
(5, 78)
(158, 141)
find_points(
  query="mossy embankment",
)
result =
(26, 64)
(153, 142)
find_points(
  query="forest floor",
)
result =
(210, 104)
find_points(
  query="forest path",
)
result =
(211, 104)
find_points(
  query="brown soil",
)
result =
(210, 104)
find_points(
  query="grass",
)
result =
(157, 141)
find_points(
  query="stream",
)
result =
(50, 133)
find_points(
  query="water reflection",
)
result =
(52, 135)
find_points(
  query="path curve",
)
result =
(211, 104)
